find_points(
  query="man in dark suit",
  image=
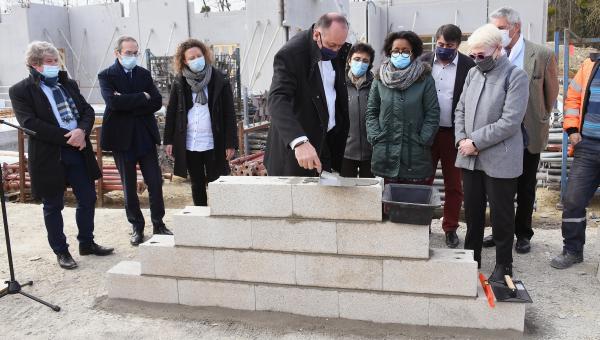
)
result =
(130, 131)
(308, 101)
(449, 69)
(50, 104)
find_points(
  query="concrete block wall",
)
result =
(317, 266)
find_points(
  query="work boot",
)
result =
(488, 241)
(137, 237)
(499, 271)
(452, 239)
(566, 260)
(94, 249)
(162, 230)
(65, 260)
(523, 245)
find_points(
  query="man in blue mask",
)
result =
(50, 104)
(130, 131)
(449, 69)
(308, 101)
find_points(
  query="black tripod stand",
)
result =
(14, 287)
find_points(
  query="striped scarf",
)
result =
(64, 103)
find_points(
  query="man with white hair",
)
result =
(51, 105)
(540, 64)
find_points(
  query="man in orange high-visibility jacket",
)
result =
(582, 123)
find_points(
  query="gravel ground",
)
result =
(566, 303)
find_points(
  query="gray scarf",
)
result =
(198, 81)
(400, 79)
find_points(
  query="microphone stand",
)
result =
(13, 286)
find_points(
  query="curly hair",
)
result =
(362, 48)
(179, 57)
(413, 39)
(37, 50)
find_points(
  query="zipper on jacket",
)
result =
(409, 147)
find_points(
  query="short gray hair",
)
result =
(37, 50)
(511, 15)
(487, 36)
(123, 39)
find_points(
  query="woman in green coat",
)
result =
(403, 113)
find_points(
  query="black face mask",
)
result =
(486, 64)
(326, 53)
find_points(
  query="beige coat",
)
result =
(540, 65)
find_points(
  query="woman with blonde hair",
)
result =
(200, 129)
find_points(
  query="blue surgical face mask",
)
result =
(128, 62)
(197, 64)
(50, 71)
(358, 68)
(400, 61)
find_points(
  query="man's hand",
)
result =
(116, 93)
(76, 138)
(307, 157)
(467, 148)
(575, 138)
(229, 153)
(169, 150)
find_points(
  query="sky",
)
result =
(235, 4)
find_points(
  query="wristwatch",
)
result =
(300, 143)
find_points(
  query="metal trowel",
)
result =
(329, 179)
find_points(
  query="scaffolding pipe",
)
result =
(146, 45)
(83, 40)
(102, 63)
(74, 54)
(170, 39)
(249, 45)
(265, 58)
(456, 18)
(262, 40)
(565, 141)
(414, 20)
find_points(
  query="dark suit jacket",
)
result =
(33, 111)
(298, 106)
(222, 117)
(462, 69)
(124, 111)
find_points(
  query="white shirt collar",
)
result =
(516, 50)
(454, 61)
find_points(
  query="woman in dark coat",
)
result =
(357, 156)
(200, 129)
(403, 113)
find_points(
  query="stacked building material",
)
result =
(310, 250)
(251, 165)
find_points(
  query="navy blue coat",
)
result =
(131, 107)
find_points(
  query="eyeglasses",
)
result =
(130, 54)
(478, 56)
(404, 54)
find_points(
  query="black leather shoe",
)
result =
(452, 240)
(488, 241)
(499, 271)
(94, 249)
(137, 237)
(523, 245)
(65, 260)
(162, 230)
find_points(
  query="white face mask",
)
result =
(505, 38)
